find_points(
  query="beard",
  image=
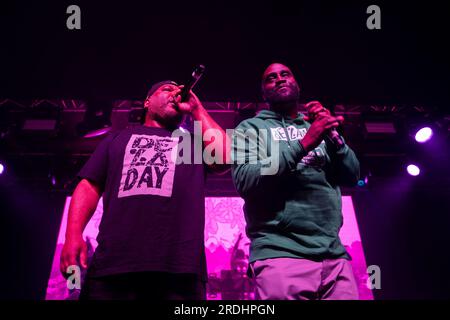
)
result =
(290, 94)
(170, 119)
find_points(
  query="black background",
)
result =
(125, 46)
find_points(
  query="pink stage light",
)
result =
(2, 168)
(424, 134)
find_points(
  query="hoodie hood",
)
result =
(270, 114)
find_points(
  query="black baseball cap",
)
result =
(156, 86)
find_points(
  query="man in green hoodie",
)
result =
(288, 171)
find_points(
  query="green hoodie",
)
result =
(296, 210)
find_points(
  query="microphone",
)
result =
(196, 75)
(334, 136)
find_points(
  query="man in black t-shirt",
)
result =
(150, 241)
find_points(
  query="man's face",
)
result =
(279, 84)
(161, 105)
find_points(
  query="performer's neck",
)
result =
(153, 123)
(150, 122)
(285, 109)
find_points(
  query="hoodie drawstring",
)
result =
(286, 131)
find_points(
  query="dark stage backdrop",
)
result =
(124, 47)
(405, 230)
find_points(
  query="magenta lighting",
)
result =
(424, 134)
(2, 168)
(413, 170)
(97, 133)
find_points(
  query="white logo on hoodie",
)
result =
(315, 158)
(294, 133)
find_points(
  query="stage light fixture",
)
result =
(97, 119)
(413, 170)
(42, 117)
(423, 135)
(379, 127)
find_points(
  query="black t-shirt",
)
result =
(153, 207)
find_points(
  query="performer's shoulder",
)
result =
(251, 123)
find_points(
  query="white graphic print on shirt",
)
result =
(148, 167)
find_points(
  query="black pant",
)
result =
(144, 286)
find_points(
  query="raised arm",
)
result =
(215, 138)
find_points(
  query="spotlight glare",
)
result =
(413, 170)
(97, 133)
(424, 134)
(2, 168)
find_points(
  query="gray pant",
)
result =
(302, 279)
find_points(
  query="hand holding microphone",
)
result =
(186, 100)
(195, 76)
(323, 125)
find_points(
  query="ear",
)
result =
(146, 103)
